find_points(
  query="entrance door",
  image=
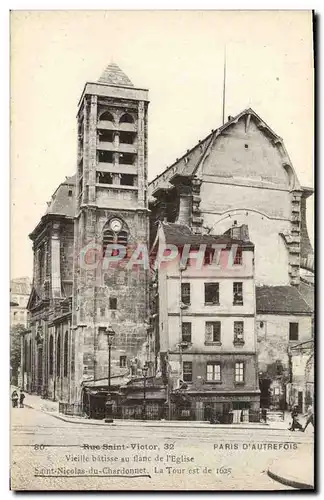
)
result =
(265, 397)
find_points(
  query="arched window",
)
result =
(51, 355)
(66, 353)
(58, 356)
(126, 118)
(106, 116)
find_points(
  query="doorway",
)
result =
(265, 396)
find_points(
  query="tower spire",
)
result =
(224, 85)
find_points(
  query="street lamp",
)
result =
(108, 405)
(144, 370)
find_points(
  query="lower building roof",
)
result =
(283, 299)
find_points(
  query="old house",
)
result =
(19, 295)
(205, 311)
(284, 322)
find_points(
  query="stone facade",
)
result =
(111, 186)
(47, 344)
(245, 174)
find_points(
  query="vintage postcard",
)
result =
(162, 271)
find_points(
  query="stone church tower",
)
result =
(111, 207)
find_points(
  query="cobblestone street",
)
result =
(48, 454)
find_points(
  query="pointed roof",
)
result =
(113, 75)
(63, 202)
(188, 165)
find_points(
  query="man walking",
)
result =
(21, 399)
(295, 423)
(14, 398)
(310, 417)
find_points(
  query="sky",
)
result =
(178, 56)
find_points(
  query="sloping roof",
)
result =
(180, 234)
(113, 75)
(189, 163)
(281, 300)
(63, 199)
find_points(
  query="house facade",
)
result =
(205, 318)
(19, 295)
(284, 324)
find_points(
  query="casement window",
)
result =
(239, 372)
(237, 293)
(122, 361)
(293, 331)
(212, 293)
(238, 259)
(213, 331)
(187, 371)
(186, 332)
(238, 332)
(112, 303)
(185, 293)
(213, 372)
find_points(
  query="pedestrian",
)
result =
(21, 399)
(310, 417)
(14, 398)
(295, 424)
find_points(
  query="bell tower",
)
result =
(111, 207)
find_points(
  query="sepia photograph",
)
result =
(162, 331)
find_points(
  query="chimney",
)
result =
(240, 232)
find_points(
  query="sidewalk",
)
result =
(52, 408)
(295, 470)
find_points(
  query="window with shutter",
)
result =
(213, 332)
